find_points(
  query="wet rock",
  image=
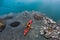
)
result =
(14, 24)
(38, 17)
(2, 25)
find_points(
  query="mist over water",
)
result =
(50, 7)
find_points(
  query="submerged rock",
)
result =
(2, 25)
(14, 24)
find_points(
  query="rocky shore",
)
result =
(42, 28)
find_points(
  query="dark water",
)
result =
(50, 7)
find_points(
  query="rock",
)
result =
(2, 25)
(14, 24)
(38, 17)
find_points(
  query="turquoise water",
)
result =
(50, 7)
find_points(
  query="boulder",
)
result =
(38, 17)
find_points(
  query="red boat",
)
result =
(28, 27)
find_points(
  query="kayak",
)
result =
(28, 27)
